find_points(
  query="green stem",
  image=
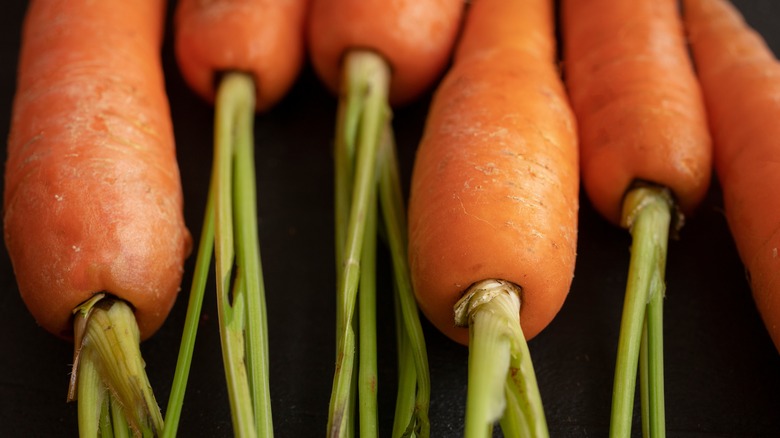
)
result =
(394, 215)
(367, 371)
(655, 364)
(91, 395)
(501, 380)
(242, 321)
(403, 419)
(110, 365)
(187, 346)
(248, 261)
(373, 86)
(647, 214)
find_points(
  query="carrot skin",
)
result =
(261, 37)
(415, 37)
(740, 77)
(640, 111)
(494, 190)
(93, 198)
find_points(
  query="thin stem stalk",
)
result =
(394, 215)
(373, 87)
(647, 214)
(501, 381)
(240, 300)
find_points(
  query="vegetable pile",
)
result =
(525, 112)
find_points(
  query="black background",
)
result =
(722, 371)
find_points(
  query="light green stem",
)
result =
(373, 86)
(248, 262)
(187, 346)
(653, 364)
(406, 395)
(109, 364)
(242, 322)
(91, 395)
(647, 214)
(367, 370)
(394, 215)
(501, 381)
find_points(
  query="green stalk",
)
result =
(194, 306)
(373, 79)
(654, 364)
(394, 215)
(119, 427)
(367, 370)
(242, 321)
(501, 381)
(109, 365)
(348, 118)
(647, 212)
(91, 395)
(406, 394)
(248, 261)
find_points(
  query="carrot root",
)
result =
(647, 213)
(501, 380)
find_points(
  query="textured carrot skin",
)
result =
(494, 190)
(262, 37)
(93, 198)
(639, 108)
(740, 77)
(415, 37)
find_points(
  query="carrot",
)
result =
(414, 37)
(740, 77)
(93, 199)
(374, 54)
(645, 152)
(494, 195)
(265, 40)
(243, 56)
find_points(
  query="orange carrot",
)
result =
(493, 207)
(645, 152)
(415, 37)
(495, 181)
(260, 37)
(740, 77)
(93, 199)
(639, 109)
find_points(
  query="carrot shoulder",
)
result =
(640, 111)
(740, 77)
(495, 181)
(261, 37)
(93, 200)
(415, 37)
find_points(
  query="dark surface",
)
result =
(722, 371)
